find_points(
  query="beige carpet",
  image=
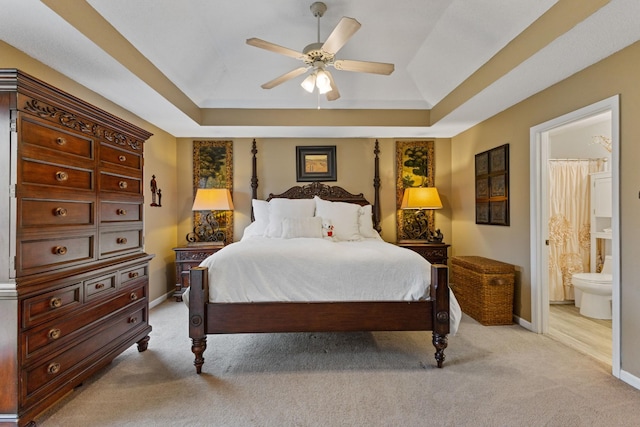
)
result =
(493, 376)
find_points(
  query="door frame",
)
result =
(539, 154)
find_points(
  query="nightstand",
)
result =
(188, 257)
(435, 253)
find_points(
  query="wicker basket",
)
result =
(484, 288)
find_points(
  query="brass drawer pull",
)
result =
(60, 250)
(133, 274)
(121, 212)
(62, 176)
(60, 212)
(54, 334)
(122, 158)
(60, 140)
(133, 296)
(121, 240)
(122, 184)
(55, 302)
(53, 368)
(133, 319)
(99, 285)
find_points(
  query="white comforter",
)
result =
(260, 269)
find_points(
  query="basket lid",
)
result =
(482, 265)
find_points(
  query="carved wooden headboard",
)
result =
(326, 192)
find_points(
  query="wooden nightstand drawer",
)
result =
(435, 253)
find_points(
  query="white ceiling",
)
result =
(199, 45)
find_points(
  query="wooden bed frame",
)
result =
(268, 317)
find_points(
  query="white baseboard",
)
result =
(524, 323)
(160, 300)
(632, 380)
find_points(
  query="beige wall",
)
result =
(617, 74)
(276, 173)
(160, 159)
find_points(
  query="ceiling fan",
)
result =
(319, 56)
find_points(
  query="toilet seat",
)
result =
(596, 278)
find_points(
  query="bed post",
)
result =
(254, 176)
(376, 188)
(440, 298)
(198, 299)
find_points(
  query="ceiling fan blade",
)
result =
(364, 66)
(262, 44)
(341, 34)
(333, 94)
(283, 78)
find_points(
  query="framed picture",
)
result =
(414, 168)
(316, 163)
(492, 186)
(213, 168)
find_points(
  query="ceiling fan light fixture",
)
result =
(309, 83)
(322, 82)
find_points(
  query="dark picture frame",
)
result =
(316, 163)
(213, 168)
(415, 167)
(492, 186)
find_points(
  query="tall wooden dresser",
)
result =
(73, 274)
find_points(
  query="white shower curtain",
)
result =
(569, 221)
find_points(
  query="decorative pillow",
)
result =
(301, 227)
(343, 216)
(261, 215)
(365, 222)
(287, 208)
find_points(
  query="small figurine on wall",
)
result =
(155, 192)
(159, 198)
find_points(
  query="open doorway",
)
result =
(543, 148)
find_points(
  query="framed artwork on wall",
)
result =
(316, 163)
(492, 186)
(213, 168)
(414, 168)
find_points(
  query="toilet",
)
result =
(593, 291)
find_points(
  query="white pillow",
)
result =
(365, 222)
(261, 215)
(301, 227)
(344, 218)
(287, 208)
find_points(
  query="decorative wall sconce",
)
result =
(213, 200)
(420, 199)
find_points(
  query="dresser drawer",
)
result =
(60, 176)
(120, 212)
(120, 157)
(55, 252)
(63, 329)
(51, 305)
(115, 242)
(55, 370)
(99, 287)
(34, 213)
(56, 139)
(133, 275)
(120, 184)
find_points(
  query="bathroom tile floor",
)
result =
(589, 336)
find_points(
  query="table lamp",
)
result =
(417, 226)
(208, 230)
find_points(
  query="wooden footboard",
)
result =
(228, 318)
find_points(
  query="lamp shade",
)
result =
(212, 199)
(421, 198)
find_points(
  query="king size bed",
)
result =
(312, 261)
